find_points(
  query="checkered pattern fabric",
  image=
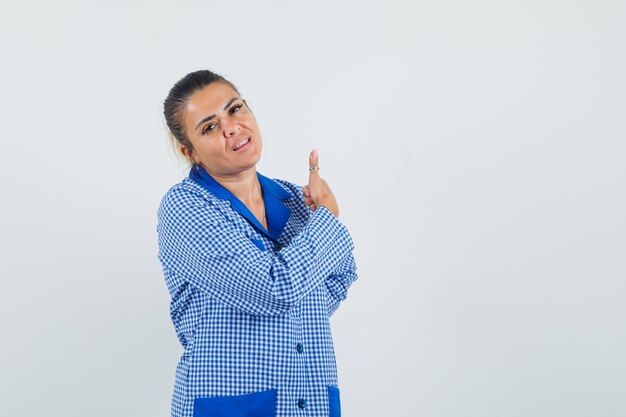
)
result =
(252, 313)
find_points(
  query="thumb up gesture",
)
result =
(317, 193)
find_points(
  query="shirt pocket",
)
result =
(334, 405)
(256, 404)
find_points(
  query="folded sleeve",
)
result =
(202, 248)
(338, 282)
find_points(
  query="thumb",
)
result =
(313, 164)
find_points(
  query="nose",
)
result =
(229, 127)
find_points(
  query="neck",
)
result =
(245, 185)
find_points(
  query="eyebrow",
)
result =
(206, 119)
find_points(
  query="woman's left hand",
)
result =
(317, 192)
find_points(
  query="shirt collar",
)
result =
(276, 212)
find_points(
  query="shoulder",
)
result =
(184, 194)
(296, 202)
(186, 201)
(296, 198)
(293, 189)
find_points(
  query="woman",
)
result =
(255, 267)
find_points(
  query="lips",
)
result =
(240, 143)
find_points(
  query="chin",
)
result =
(249, 164)
(256, 157)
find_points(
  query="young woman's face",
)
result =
(222, 130)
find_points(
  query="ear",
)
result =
(187, 153)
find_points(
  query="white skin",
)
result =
(227, 143)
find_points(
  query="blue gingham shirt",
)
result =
(251, 306)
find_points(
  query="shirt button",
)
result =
(301, 403)
(299, 348)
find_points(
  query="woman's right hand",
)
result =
(317, 192)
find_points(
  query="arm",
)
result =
(201, 249)
(317, 194)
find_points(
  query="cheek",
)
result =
(256, 130)
(207, 148)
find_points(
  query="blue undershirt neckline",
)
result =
(276, 212)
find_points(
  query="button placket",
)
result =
(298, 349)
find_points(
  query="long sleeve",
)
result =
(201, 248)
(339, 281)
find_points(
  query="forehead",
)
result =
(209, 100)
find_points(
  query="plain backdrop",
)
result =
(476, 148)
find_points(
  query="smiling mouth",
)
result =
(241, 143)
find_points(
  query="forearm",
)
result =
(233, 270)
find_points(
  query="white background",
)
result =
(476, 147)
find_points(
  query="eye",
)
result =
(236, 108)
(207, 128)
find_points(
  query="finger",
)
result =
(313, 207)
(313, 162)
(308, 201)
(306, 191)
